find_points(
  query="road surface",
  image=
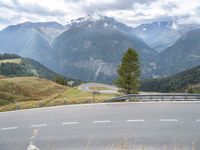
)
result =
(86, 88)
(145, 126)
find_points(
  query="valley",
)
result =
(90, 48)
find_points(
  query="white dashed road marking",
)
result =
(168, 120)
(9, 128)
(69, 123)
(38, 125)
(135, 120)
(102, 121)
(95, 122)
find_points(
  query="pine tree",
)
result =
(129, 73)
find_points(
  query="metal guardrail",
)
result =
(156, 97)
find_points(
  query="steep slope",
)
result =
(184, 54)
(176, 83)
(31, 40)
(16, 66)
(92, 48)
(161, 35)
(27, 88)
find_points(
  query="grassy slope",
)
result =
(31, 92)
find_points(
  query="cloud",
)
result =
(34, 8)
(132, 12)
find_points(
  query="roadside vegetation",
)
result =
(33, 92)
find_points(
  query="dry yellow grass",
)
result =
(98, 88)
(32, 92)
(15, 61)
(31, 87)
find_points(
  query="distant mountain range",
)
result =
(161, 35)
(182, 55)
(32, 40)
(90, 48)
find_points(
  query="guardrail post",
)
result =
(185, 98)
(198, 97)
(162, 98)
(128, 98)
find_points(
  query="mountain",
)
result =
(91, 48)
(180, 82)
(182, 55)
(31, 40)
(161, 35)
(15, 66)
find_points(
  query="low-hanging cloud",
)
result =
(132, 12)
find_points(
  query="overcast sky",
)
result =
(131, 12)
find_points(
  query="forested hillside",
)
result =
(15, 66)
(181, 82)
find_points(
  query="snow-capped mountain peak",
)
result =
(97, 21)
(90, 18)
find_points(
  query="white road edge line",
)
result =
(69, 123)
(9, 128)
(102, 121)
(98, 104)
(135, 120)
(38, 125)
(197, 120)
(168, 120)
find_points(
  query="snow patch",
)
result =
(32, 147)
(194, 56)
(98, 70)
(153, 65)
(174, 26)
(106, 25)
(158, 24)
(144, 29)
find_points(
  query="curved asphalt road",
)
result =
(148, 126)
(86, 88)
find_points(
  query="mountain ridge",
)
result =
(94, 43)
(85, 48)
(184, 54)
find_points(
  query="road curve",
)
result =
(150, 125)
(86, 88)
